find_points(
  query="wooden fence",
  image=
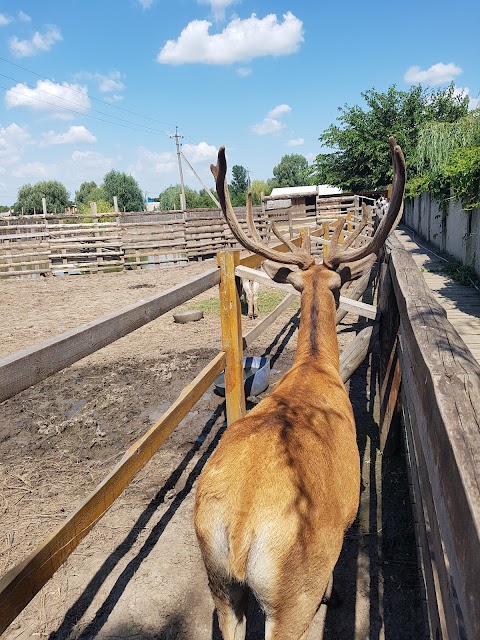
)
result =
(429, 391)
(431, 388)
(29, 366)
(72, 243)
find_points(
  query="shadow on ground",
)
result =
(376, 575)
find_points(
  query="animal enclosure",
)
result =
(445, 583)
(73, 244)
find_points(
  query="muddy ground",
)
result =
(138, 574)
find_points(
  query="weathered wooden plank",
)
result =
(24, 368)
(440, 594)
(231, 321)
(252, 335)
(448, 379)
(429, 584)
(390, 374)
(355, 292)
(351, 305)
(357, 350)
(23, 581)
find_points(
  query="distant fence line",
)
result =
(75, 243)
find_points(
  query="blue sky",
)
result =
(90, 86)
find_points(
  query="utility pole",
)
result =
(201, 181)
(183, 200)
(248, 177)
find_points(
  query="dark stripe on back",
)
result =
(314, 317)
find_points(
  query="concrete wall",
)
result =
(457, 233)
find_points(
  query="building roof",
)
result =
(309, 190)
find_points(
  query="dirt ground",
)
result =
(138, 574)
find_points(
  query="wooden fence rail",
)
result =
(27, 367)
(440, 387)
(72, 244)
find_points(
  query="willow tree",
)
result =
(438, 140)
(448, 162)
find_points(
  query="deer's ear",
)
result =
(354, 270)
(284, 275)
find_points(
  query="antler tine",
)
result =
(256, 245)
(358, 230)
(338, 256)
(251, 225)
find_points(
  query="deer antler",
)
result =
(298, 256)
(339, 254)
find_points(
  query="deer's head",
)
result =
(344, 262)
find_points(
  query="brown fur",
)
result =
(283, 485)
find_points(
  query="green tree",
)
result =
(239, 183)
(169, 199)
(125, 187)
(258, 187)
(30, 197)
(90, 192)
(102, 207)
(292, 171)
(360, 158)
(438, 140)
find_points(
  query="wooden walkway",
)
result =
(461, 303)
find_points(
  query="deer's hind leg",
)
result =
(292, 615)
(230, 598)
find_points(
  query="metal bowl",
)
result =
(256, 376)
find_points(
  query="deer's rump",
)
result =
(277, 509)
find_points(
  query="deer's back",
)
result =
(283, 479)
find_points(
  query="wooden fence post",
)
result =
(232, 343)
(390, 373)
(326, 236)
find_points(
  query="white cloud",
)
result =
(295, 143)
(268, 126)
(13, 140)
(90, 163)
(110, 82)
(113, 98)
(33, 170)
(152, 161)
(279, 111)
(146, 4)
(439, 73)
(271, 123)
(218, 7)
(23, 17)
(243, 72)
(39, 42)
(201, 152)
(49, 97)
(474, 103)
(240, 41)
(74, 135)
(4, 20)
(106, 82)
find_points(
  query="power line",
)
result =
(78, 104)
(108, 104)
(86, 115)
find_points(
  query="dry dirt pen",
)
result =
(138, 573)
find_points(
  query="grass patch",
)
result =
(461, 273)
(267, 302)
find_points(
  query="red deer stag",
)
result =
(282, 487)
